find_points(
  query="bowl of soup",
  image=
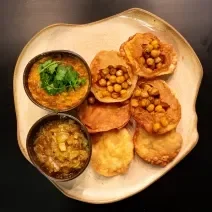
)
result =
(59, 146)
(57, 80)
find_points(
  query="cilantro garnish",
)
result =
(57, 78)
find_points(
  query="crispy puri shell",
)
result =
(132, 50)
(102, 60)
(173, 113)
(157, 149)
(100, 117)
(112, 152)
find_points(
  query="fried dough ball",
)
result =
(100, 117)
(157, 149)
(154, 106)
(148, 55)
(112, 152)
(111, 73)
(91, 100)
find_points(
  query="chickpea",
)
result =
(158, 60)
(124, 85)
(112, 71)
(110, 88)
(150, 89)
(154, 42)
(149, 48)
(107, 76)
(120, 79)
(150, 107)
(129, 82)
(91, 100)
(156, 46)
(105, 71)
(117, 88)
(134, 102)
(146, 87)
(144, 94)
(144, 103)
(137, 92)
(102, 82)
(142, 60)
(164, 122)
(123, 92)
(154, 92)
(109, 83)
(156, 127)
(126, 76)
(119, 73)
(156, 102)
(159, 65)
(155, 53)
(150, 61)
(105, 93)
(113, 79)
(124, 69)
(147, 102)
(115, 95)
(159, 108)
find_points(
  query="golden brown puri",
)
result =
(112, 78)
(155, 107)
(99, 117)
(149, 56)
(112, 152)
(157, 149)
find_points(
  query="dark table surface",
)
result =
(184, 188)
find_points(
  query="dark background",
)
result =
(185, 188)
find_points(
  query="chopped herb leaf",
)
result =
(56, 78)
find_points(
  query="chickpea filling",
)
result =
(152, 58)
(115, 81)
(148, 97)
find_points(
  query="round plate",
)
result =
(87, 40)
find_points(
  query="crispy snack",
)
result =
(112, 152)
(155, 107)
(157, 149)
(99, 117)
(112, 78)
(149, 56)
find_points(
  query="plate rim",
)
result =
(129, 11)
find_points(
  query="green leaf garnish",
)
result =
(56, 78)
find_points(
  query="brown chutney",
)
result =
(61, 149)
